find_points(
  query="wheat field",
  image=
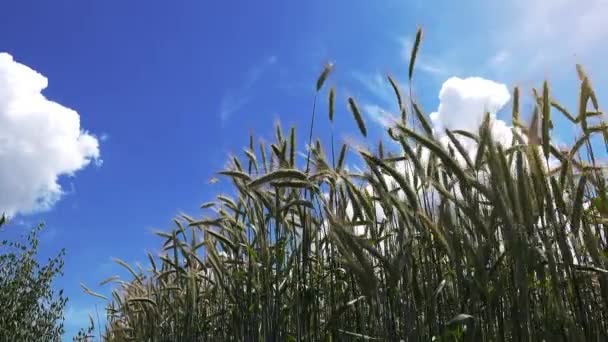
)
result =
(425, 240)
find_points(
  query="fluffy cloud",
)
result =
(463, 104)
(40, 140)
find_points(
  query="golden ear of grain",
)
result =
(235, 174)
(413, 157)
(263, 154)
(292, 147)
(279, 175)
(324, 74)
(577, 207)
(414, 53)
(252, 159)
(563, 110)
(332, 101)
(92, 293)
(219, 237)
(546, 123)
(292, 184)
(582, 104)
(463, 152)
(398, 176)
(342, 156)
(423, 121)
(279, 132)
(207, 205)
(354, 108)
(395, 87)
(515, 112)
(533, 138)
(581, 72)
(535, 93)
(142, 300)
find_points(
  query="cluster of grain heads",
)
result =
(507, 243)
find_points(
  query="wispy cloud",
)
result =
(380, 115)
(375, 85)
(235, 99)
(542, 36)
(378, 97)
(424, 62)
(231, 103)
(499, 58)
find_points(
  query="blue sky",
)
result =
(168, 90)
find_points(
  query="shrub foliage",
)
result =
(30, 309)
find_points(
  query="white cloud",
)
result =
(40, 140)
(463, 103)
